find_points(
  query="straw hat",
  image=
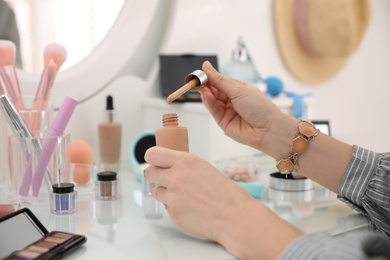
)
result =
(316, 37)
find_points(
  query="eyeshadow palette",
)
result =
(24, 237)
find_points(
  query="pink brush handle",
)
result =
(57, 129)
(25, 186)
(42, 98)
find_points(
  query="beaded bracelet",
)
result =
(306, 132)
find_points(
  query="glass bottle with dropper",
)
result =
(110, 132)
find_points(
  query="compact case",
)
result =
(140, 143)
(23, 236)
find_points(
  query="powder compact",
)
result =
(22, 236)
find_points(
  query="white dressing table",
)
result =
(118, 230)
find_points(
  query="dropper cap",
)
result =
(110, 113)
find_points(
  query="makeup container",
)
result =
(140, 143)
(23, 161)
(110, 134)
(152, 208)
(242, 168)
(282, 182)
(31, 240)
(171, 136)
(107, 186)
(18, 126)
(63, 200)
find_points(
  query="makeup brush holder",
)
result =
(38, 122)
(23, 160)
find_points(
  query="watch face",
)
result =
(323, 126)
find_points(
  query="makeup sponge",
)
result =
(81, 156)
(81, 152)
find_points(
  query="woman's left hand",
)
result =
(199, 199)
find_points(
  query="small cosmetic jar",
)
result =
(279, 181)
(63, 200)
(239, 168)
(106, 186)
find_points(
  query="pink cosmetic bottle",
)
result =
(172, 135)
(110, 132)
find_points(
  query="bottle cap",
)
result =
(63, 187)
(200, 75)
(106, 176)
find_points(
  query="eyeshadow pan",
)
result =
(61, 235)
(29, 254)
(53, 240)
(38, 249)
(45, 244)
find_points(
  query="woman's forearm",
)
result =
(258, 233)
(325, 159)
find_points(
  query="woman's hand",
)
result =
(203, 202)
(199, 199)
(245, 114)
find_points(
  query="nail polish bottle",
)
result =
(172, 135)
(63, 200)
(110, 133)
(106, 186)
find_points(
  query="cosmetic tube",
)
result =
(63, 200)
(20, 128)
(57, 129)
(152, 208)
(106, 186)
(110, 132)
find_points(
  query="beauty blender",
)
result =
(81, 155)
(81, 152)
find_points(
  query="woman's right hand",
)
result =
(245, 114)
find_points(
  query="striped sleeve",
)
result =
(365, 186)
(362, 245)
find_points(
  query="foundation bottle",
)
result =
(172, 135)
(110, 133)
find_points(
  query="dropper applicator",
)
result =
(193, 82)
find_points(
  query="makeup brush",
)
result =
(8, 79)
(193, 82)
(54, 56)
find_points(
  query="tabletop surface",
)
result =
(118, 230)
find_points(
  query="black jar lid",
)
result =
(63, 187)
(106, 176)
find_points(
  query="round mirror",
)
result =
(79, 25)
(129, 48)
